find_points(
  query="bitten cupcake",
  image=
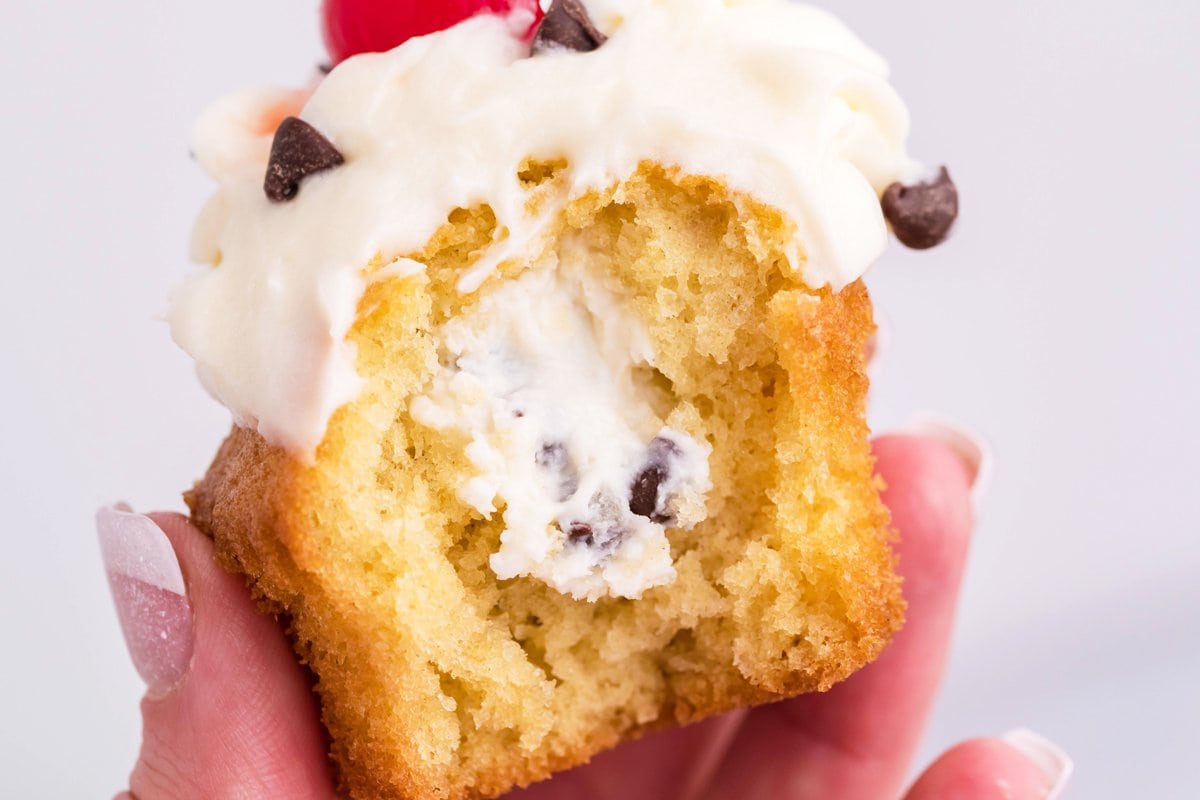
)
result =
(544, 336)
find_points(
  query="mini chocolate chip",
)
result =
(662, 449)
(552, 456)
(555, 459)
(567, 26)
(298, 151)
(923, 214)
(602, 529)
(581, 532)
(643, 494)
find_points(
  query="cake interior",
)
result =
(439, 679)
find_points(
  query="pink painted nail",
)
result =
(972, 448)
(1054, 763)
(151, 599)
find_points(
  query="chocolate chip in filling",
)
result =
(645, 496)
(299, 150)
(567, 26)
(581, 533)
(604, 530)
(557, 463)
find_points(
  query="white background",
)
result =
(1062, 322)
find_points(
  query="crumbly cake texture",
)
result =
(439, 681)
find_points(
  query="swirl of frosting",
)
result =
(777, 99)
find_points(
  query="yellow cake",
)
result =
(571, 460)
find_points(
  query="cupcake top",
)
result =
(776, 99)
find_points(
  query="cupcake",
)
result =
(544, 338)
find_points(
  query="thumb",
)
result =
(227, 712)
(1021, 765)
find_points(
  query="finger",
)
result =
(857, 740)
(674, 763)
(228, 712)
(1021, 766)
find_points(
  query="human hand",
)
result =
(228, 713)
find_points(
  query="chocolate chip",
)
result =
(923, 214)
(607, 528)
(555, 459)
(552, 456)
(298, 151)
(643, 494)
(581, 532)
(567, 26)
(644, 491)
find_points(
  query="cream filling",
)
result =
(776, 98)
(539, 379)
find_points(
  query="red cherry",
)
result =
(373, 26)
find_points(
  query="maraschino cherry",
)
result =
(373, 26)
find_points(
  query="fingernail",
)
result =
(972, 449)
(147, 587)
(1054, 763)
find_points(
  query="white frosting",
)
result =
(776, 98)
(539, 381)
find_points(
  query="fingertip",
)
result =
(149, 594)
(243, 685)
(927, 487)
(910, 459)
(986, 769)
(172, 518)
(973, 449)
(233, 637)
(191, 546)
(1051, 759)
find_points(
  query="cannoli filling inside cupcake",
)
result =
(545, 384)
